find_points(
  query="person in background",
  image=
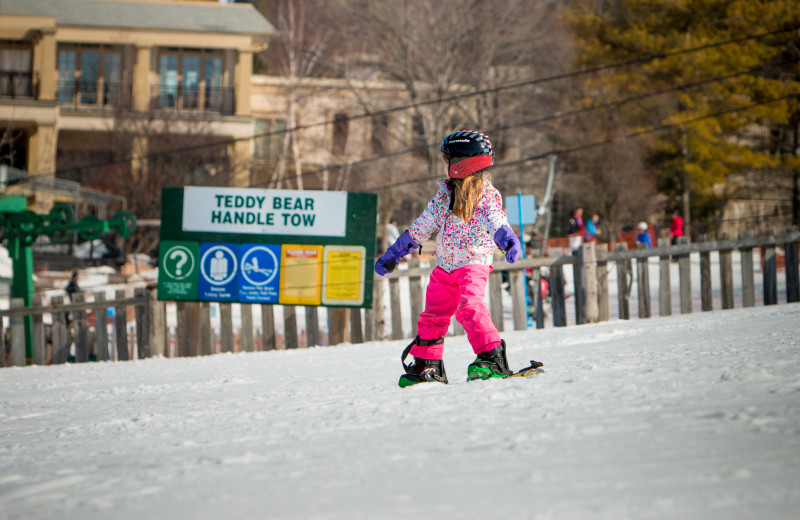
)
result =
(532, 245)
(644, 235)
(467, 214)
(575, 229)
(392, 233)
(72, 287)
(590, 230)
(676, 226)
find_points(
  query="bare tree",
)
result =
(142, 152)
(445, 52)
(305, 31)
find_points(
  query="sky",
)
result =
(691, 416)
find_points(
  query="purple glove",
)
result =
(396, 251)
(507, 241)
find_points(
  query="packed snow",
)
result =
(688, 417)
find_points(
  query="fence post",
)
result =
(591, 311)
(338, 325)
(18, 334)
(187, 329)
(458, 329)
(557, 291)
(356, 334)
(416, 294)
(792, 269)
(142, 324)
(268, 328)
(378, 311)
(101, 327)
(540, 303)
(664, 282)
(726, 273)
(577, 274)
(748, 277)
(535, 296)
(685, 275)
(706, 297)
(121, 327)
(770, 274)
(518, 308)
(246, 311)
(80, 333)
(643, 283)
(496, 299)
(39, 351)
(204, 336)
(157, 331)
(394, 301)
(312, 327)
(370, 317)
(603, 304)
(58, 332)
(226, 327)
(623, 288)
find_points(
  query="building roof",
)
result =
(175, 16)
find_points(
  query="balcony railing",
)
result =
(18, 85)
(192, 99)
(99, 94)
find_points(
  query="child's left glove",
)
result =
(507, 241)
(401, 247)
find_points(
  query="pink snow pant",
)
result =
(461, 293)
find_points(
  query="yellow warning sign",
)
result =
(343, 277)
(301, 275)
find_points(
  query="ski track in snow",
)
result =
(692, 416)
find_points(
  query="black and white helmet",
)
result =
(467, 152)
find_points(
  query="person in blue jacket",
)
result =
(644, 235)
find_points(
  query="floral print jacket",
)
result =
(460, 243)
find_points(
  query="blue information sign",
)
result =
(259, 277)
(219, 270)
(521, 209)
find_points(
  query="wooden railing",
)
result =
(140, 327)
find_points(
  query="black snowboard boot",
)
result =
(422, 370)
(492, 363)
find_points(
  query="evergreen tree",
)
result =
(731, 69)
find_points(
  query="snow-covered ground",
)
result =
(688, 417)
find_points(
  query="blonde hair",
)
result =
(466, 193)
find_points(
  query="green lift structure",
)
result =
(20, 227)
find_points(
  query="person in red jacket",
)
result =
(676, 226)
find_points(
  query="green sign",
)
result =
(178, 270)
(267, 246)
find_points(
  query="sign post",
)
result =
(521, 210)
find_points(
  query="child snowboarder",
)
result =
(467, 212)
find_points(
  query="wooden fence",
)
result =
(140, 326)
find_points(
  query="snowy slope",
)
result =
(688, 417)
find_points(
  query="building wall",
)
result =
(320, 102)
(211, 80)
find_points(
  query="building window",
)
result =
(269, 139)
(90, 76)
(418, 137)
(341, 129)
(192, 80)
(16, 70)
(380, 134)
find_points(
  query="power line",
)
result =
(536, 81)
(548, 118)
(604, 142)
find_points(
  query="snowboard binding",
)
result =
(494, 364)
(422, 370)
